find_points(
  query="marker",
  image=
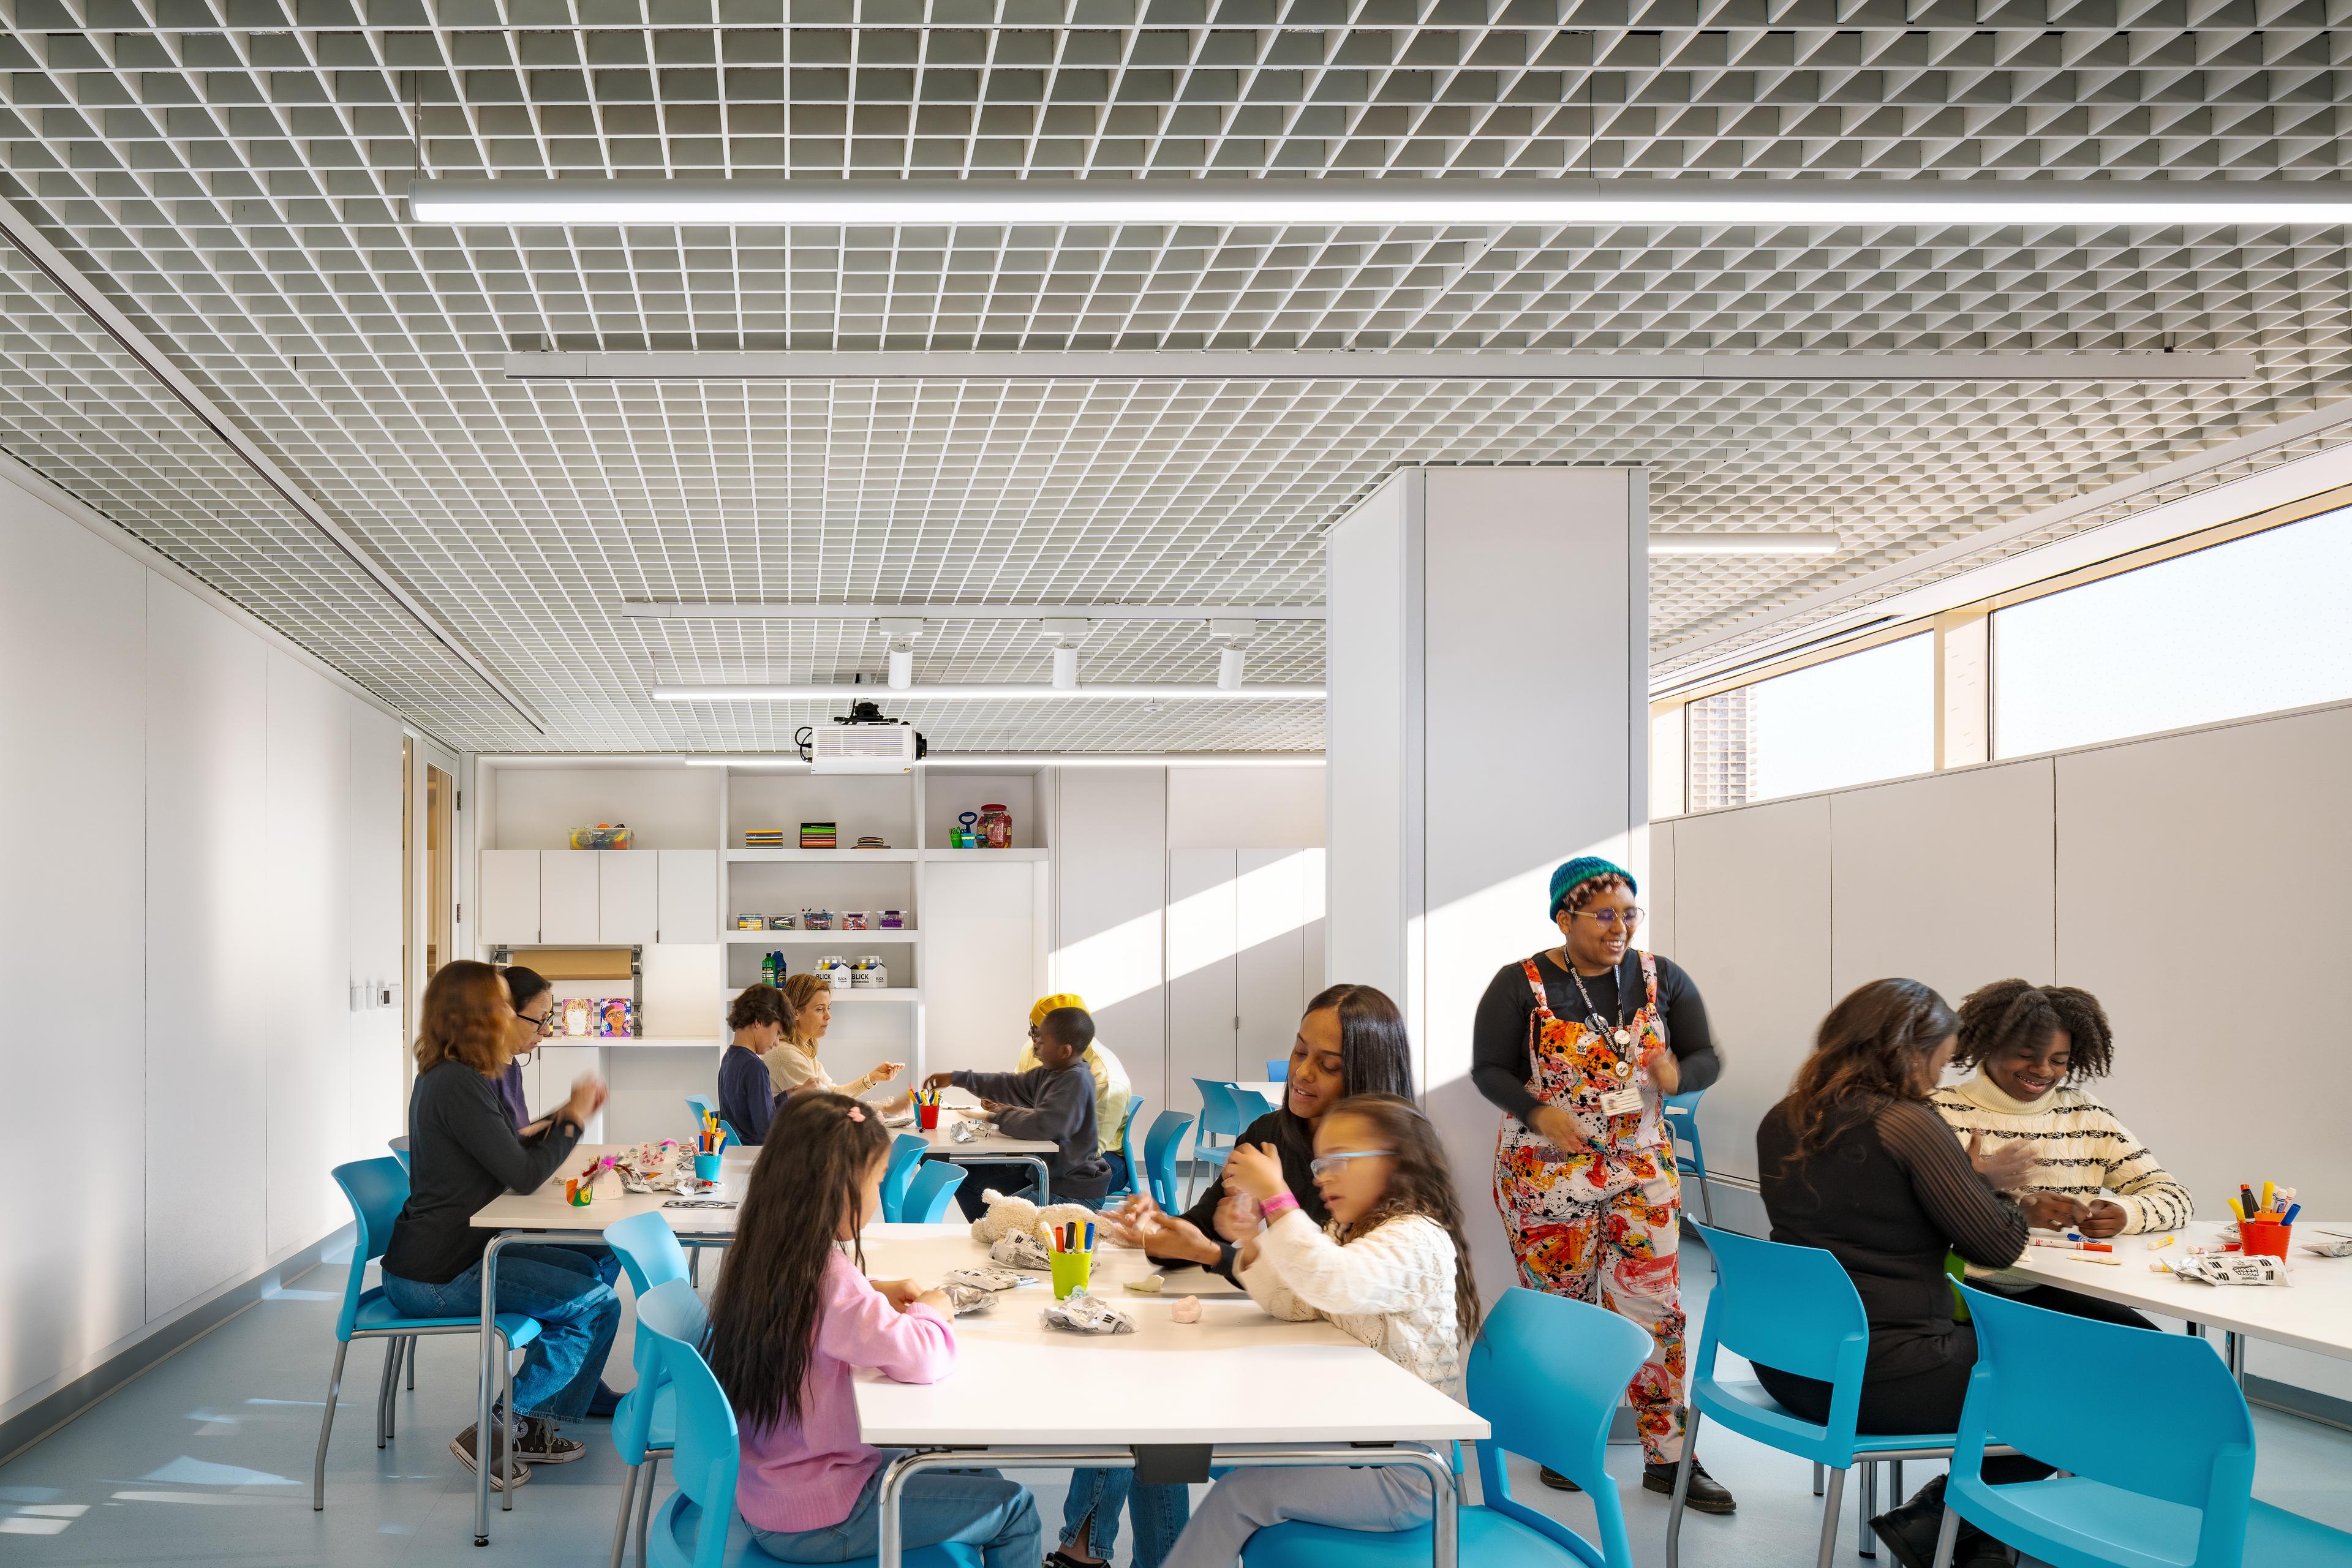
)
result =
(2239, 1209)
(2076, 1244)
(2288, 1218)
(2270, 1195)
(2246, 1199)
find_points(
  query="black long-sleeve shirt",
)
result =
(1294, 1143)
(1499, 1063)
(746, 1097)
(1050, 1105)
(1889, 1194)
(462, 1153)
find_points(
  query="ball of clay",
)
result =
(1187, 1311)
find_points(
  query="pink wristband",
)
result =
(1270, 1209)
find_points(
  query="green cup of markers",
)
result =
(1072, 1272)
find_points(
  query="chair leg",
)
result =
(1675, 1508)
(646, 1511)
(694, 1266)
(1830, 1520)
(1819, 1471)
(1896, 1498)
(1865, 1509)
(327, 1424)
(628, 1507)
(1706, 1199)
(1946, 1536)
(383, 1390)
(409, 1358)
(508, 1415)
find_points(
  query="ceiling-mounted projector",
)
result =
(863, 743)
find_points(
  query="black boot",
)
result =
(1557, 1481)
(1706, 1495)
(1909, 1532)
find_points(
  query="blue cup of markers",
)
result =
(705, 1168)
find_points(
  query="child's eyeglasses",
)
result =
(1332, 1164)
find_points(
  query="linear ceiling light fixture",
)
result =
(738, 611)
(1389, 203)
(986, 693)
(1053, 759)
(1743, 542)
(2154, 368)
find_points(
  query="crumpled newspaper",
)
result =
(1081, 1313)
(965, 1130)
(967, 1299)
(1020, 1251)
(2333, 1246)
(987, 1278)
(2233, 1268)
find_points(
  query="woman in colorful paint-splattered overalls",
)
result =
(1579, 1045)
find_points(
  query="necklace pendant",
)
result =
(1624, 1037)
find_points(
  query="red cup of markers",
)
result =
(2262, 1237)
(926, 1117)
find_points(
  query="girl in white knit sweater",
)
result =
(1392, 1268)
(2033, 1048)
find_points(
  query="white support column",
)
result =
(1964, 687)
(1487, 658)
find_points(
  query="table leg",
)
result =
(2234, 1350)
(482, 1447)
(1045, 1177)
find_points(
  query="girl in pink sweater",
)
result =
(794, 1315)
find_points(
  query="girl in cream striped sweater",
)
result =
(2033, 1047)
(1392, 1269)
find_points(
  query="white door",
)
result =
(1270, 955)
(567, 897)
(690, 895)
(627, 898)
(1201, 1014)
(510, 897)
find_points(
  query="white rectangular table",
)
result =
(995, 1149)
(1170, 1398)
(2314, 1313)
(544, 1218)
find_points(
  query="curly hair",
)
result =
(1996, 1016)
(1421, 1184)
(761, 1004)
(1871, 1049)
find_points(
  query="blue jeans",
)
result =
(1090, 1517)
(562, 1287)
(977, 1508)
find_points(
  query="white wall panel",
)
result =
(979, 982)
(1244, 808)
(1373, 676)
(378, 1083)
(1202, 930)
(1272, 905)
(1752, 926)
(1948, 879)
(2198, 875)
(305, 850)
(1658, 890)
(211, 975)
(1112, 866)
(688, 895)
(72, 938)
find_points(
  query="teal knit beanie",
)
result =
(1582, 870)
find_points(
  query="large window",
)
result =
(2249, 626)
(1869, 715)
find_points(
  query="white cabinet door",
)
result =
(567, 895)
(690, 895)
(510, 896)
(627, 907)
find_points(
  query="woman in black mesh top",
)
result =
(1854, 1161)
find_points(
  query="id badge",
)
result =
(1624, 1101)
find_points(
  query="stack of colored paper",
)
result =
(819, 835)
(763, 839)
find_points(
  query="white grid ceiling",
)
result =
(228, 172)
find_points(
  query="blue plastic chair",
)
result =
(376, 1189)
(906, 1153)
(645, 1426)
(707, 1457)
(1277, 1069)
(2161, 1463)
(1682, 1121)
(702, 1105)
(930, 1197)
(1794, 1310)
(1216, 1121)
(1161, 1145)
(399, 1147)
(1547, 1373)
(1126, 1188)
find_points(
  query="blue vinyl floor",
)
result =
(206, 1459)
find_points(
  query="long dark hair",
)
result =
(1375, 1053)
(1420, 1182)
(525, 985)
(1994, 1017)
(804, 1185)
(1872, 1047)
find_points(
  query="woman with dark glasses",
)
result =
(1579, 1046)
